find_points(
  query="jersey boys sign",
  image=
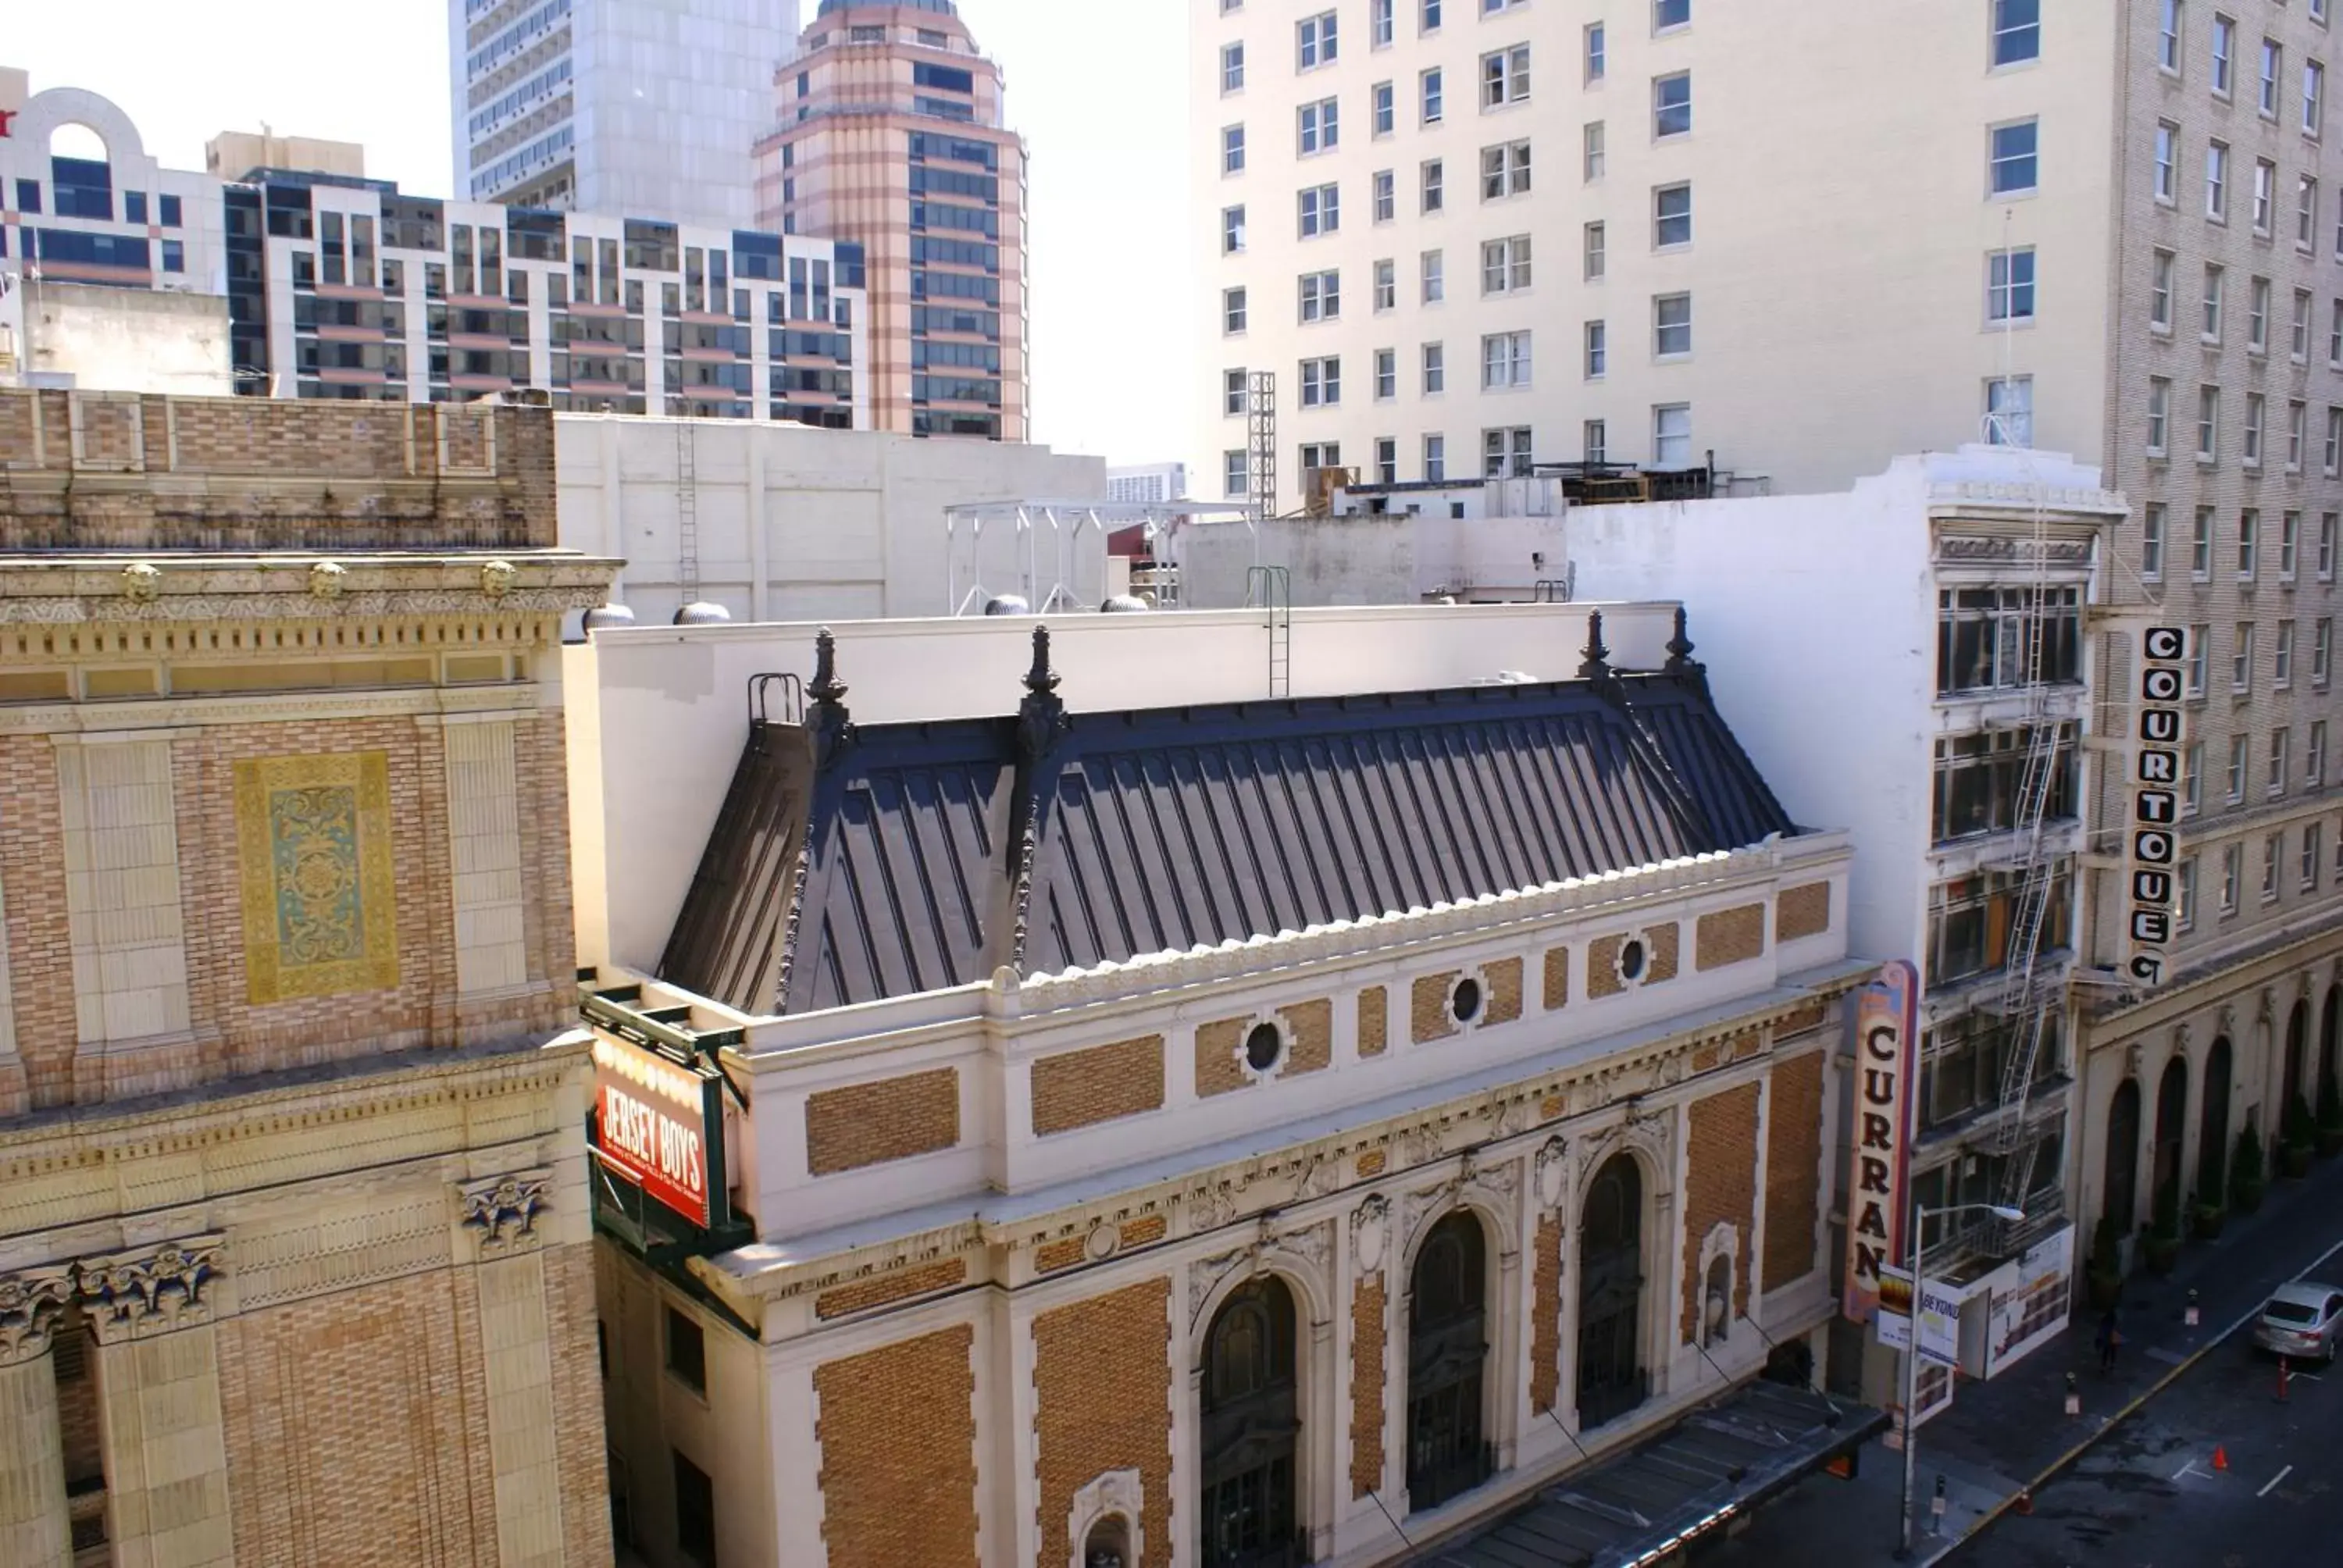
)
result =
(654, 1125)
(1880, 1144)
(2151, 842)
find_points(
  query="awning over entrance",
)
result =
(1687, 1484)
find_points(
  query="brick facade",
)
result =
(1802, 911)
(1503, 979)
(1310, 1035)
(1368, 1331)
(1102, 1400)
(1557, 979)
(1545, 1322)
(891, 1119)
(1794, 1146)
(1729, 937)
(1375, 1021)
(1720, 1185)
(1083, 1088)
(1427, 1007)
(898, 1435)
(881, 1290)
(40, 941)
(1220, 1057)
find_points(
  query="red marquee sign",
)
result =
(654, 1125)
(1879, 1153)
(8, 119)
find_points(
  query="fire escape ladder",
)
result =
(687, 513)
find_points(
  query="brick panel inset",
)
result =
(1083, 1088)
(1794, 1146)
(1504, 985)
(1663, 940)
(1729, 937)
(1557, 979)
(1366, 1385)
(1102, 1400)
(1428, 1017)
(900, 1285)
(1545, 1326)
(1219, 1064)
(1720, 1184)
(1802, 911)
(871, 1123)
(1373, 1021)
(1142, 1232)
(1061, 1253)
(1309, 1034)
(898, 1435)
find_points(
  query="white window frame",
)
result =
(2322, 652)
(1505, 265)
(1661, 219)
(2003, 288)
(2152, 521)
(1665, 305)
(1597, 339)
(1505, 361)
(1317, 40)
(1232, 68)
(1232, 148)
(1508, 84)
(1432, 96)
(2159, 416)
(2217, 180)
(1667, 112)
(1665, 416)
(2159, 291)
(1317, 127)
(1996, 159)
(2167, 168)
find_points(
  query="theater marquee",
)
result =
(653, 1124)
(1885, 1027)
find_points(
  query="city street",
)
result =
(2149, 1495)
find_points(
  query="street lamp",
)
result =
(1920, 1218)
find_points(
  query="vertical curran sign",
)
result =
(2151, 841)
(654, 1117)
(1879, 1144)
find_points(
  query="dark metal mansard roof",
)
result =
(851, 864)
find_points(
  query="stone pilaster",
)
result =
(503, 1214)
(34, 1531)
(152, 1309)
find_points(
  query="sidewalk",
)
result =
(2002, 1436)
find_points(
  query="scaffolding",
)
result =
(1260, 437)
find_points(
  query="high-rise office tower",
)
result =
(891, 133)
(624, 107)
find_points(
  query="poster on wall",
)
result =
(652, 1125)
(1878, 1142)
(1940, 1316)
(2033, 1305)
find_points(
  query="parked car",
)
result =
(2302, 1320)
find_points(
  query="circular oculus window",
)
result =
(1634, 958)
(1465, 1001)
(1264, 1043)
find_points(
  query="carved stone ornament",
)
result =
(2180, 1036)
(2266, 1006)
(151, 1289)
(1371, 1232)
(327, 579)
(502, 1210)
(2228, 1018)
(1553, 1171)
(497, 578)
(1497, 1184)
(1118, 1494)
(142, 582)
(1206, 1273)
(30, 1306)
(1313, 1248)
(1647, 1135)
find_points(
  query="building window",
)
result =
(2282, 658)
(2224, 54)
(1597, 349)
(2216, 181)
(2326, 522)
(1505, 451)
(1505, 265)
(2306, 214)
(1970, 923)
(2192, 779)
(1386, 374)
(2314, 755)
(1320, 454)
(2264, 196)
(1378, 23)
(1385, 104)
(1234, 476)
(2208, 423)
(1435, 277)
(2159, 415)
(1504, 360)
(169, 206)
(1980, 781)
(1671, 324)
(2258, 302)
(2151, 542)
(1232, 229)
(2249, 527)
(1232, 310)
(2016, 31)
(2010, 285)
(2185, 916)
(1594, 440)
(1386, 460)
(1433, 178)
(1435, 460)
(687, 1352)
(2322, 650)
(1320, 210)
(1320, 127)
(1671, 103)
(1231, 68)
(1672, 436)
(1594, 53)
(2167, 37)
(2281, 743)
(2168, 156)
(2297, 423)
(1322, 382)
(1592, 138)
(1322, 295)
(2311, 857)
(2249, 451)
(2014, 158)
(1431, 23)
(1233, 394)
(2159, 291)
(2200, 655)
(2215, 291)
(1672, 219)
(695, 1513)
(2241, 659)
(2273, 851)
(2314, 96)
(1435, 369)
(2232, 872)
(1315, 41)
(2289, 541)
(1505, 76)
(2273, 63)
(2333, 456)
(2009, 411)
(2238, 753)
(1986, 641)
(1593, 252)
(1386, 285)
(174, 255)
(1233, 149)
(1505, 170)
(2298, 339)
(1669, 15)
(2200, 546)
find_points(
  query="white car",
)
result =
(2301, 1319)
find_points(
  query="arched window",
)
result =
(1108, 1545)
(1251, 1428)
(1611, 1377)
(2171, 1128)
(2330, 1087)
(2121, 1183)
(2213, 1122)
(2297, 1046)
(1447, 1339)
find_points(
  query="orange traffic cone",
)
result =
(2220, 1457)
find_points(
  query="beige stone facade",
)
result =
(294, 1238)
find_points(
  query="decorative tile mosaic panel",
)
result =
(313, 840)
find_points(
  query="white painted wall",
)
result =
(669, 705)
(795, 523)
(128, 340)
(1362, 559)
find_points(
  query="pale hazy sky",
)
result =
(1096, 87)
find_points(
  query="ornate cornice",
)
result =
(151, 1289)
(31, 1302)
(502, 1212)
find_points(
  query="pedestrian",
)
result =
(2109, 1339)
